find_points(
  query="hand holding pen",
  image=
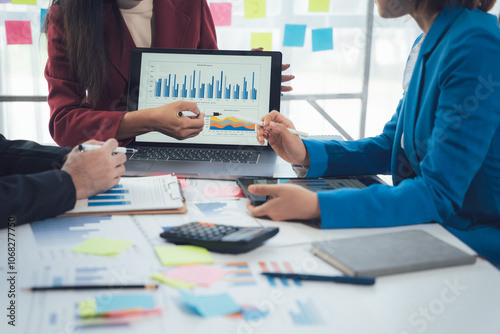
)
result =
(276, 130)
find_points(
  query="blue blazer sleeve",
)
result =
(32, 187)
(361, 157)
(450, 157)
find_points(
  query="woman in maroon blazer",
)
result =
(89, 45)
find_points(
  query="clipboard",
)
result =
(174, 191)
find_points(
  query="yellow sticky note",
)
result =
(176, 283)
(24, 2)
(319, 5)
(262, 39)
(255, 9)
(185, 254)
(102, 246)
(86, 309)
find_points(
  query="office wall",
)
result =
(317, 72)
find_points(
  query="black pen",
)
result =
(93, 287)
(358, 280)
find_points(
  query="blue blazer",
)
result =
(442, 146)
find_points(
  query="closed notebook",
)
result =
(390, 253)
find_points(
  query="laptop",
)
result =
(231, 83)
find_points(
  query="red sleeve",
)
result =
(208, 36)
(71, 123)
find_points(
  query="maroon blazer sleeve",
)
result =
(70, 122)
(178, 24)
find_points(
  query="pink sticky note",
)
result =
(221, 13)
(200, 274)
(184, 183)
(225, 191)
(18, 32)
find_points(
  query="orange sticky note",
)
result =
(18, 32)
(221, 13)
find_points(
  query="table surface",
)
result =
(464, 299)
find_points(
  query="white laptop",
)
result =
(232, 83)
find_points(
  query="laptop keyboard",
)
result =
(191, 154)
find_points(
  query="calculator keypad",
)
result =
(202, 231)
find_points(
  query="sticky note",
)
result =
(112, 302)
(24, 2)
(255, 9)
(184, 183)
(294, 35)
(208, 306)
(322, 39)
(43, 15)
(223, 191)
(102, 246)
(86, 309)
(178, 284)
(4, 1)
(262, 39)
(185, 254)
(319, 5)
(221, 13)
(18, 32)
(202, 275)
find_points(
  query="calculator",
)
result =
(220, 238)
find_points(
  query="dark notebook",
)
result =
(390, 253)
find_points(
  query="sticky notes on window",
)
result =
(322, 39)
(208, 306)
(43, 15)
(295, 35)
(199, 274)
(262, 40)
(113, 302)
(102, 246)
(185, 254)
(319, 5)
(255, 9)
(221, 13)
(178, 284)
(18, 32)
(24, 2)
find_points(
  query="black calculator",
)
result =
(220, 238)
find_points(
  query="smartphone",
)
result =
(313, 184)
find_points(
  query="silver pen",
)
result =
(90, 147)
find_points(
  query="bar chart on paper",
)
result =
(306, 314)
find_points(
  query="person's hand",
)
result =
(287, 201)
(97, 170)
(287, 145)
(166, 120)
(284, 78)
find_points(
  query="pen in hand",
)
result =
(89, 147)
(192, 114)
(260, 123)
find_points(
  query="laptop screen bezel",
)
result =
(135, 74)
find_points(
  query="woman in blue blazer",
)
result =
(442, 146)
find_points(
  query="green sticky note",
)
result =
(102, 246)
(86, 309)
(319, 5)
(185, 254)
(24, 2)
(178, 284)
(262, 40)
(255, 9)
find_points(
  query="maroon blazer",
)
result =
(184, 24)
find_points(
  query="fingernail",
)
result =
(273, 124)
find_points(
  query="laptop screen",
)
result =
(231, 83)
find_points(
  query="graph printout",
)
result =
(231, 85)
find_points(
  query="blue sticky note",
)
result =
(294, 35)
(208, 306)
(110, 303)
(43, 14)
(322, 39)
